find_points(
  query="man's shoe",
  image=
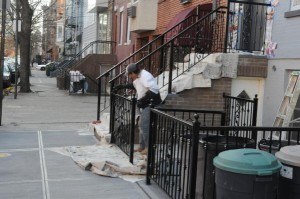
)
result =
(144, 152)
(138, 150)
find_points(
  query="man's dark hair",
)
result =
(132, 68)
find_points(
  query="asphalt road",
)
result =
(35, 127)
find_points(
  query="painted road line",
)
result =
(19, 182)
(43, 167)
(18, 150)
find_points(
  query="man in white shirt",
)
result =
(146, 88)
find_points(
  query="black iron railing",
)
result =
(181, 153)
(123, 123)
(117, 70)
(206, 117)
(240, 26)
(240, 111)
(204, 37)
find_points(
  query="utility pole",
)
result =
(16, 48)
(2, 55)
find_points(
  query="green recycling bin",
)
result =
(289, 179)
(246, 174)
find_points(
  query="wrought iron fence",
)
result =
(122, 123)
(181, 153)
(240, 111)
(206, 117)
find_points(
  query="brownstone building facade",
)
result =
(169, 13)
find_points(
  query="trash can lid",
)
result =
(247, 161)
(289, 155)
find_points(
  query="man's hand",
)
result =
(126, 86)
(117, 88)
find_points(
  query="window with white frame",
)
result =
(295, 4)
(120, 27)
(128, 32)
(89, 18)
(59, 34)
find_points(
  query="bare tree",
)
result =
(26, 14)
(26, 19)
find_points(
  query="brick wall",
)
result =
(202, 98)
(252, 66)
(123, 49)
(167, 10)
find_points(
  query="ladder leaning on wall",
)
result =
(288, 104)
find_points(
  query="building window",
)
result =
(295, 4)
(88, 18)
(59, 36)
(128, 32)
(121, 28)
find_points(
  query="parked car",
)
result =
(41, 67)
(12, 70)
(6, 77)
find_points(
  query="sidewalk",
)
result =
(52, 110)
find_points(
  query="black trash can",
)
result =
(289, 179)
(209, 147)
(246, 174)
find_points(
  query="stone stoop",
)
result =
(101, 130)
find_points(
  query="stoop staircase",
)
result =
(191, 35)
(169, 57)
(99, 53)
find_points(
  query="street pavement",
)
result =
(33, 127)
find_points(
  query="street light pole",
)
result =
(16, 49)
(2, 55)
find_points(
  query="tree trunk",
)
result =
(26, 20)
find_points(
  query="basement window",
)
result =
(295, 5)
(295, 9)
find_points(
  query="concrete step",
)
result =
(101, 129)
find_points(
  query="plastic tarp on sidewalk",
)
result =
(109, 160)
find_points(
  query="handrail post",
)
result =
(227, 27)
(112, 112)
(254, 119)
(99, 99)
(194, 157)
(161, 61)
(255, 105)
(170, 68)
(149, 59)
(223, 119)
(132, 128)
(152, 132)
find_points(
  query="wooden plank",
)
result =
(291, 85)
(289, 101)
